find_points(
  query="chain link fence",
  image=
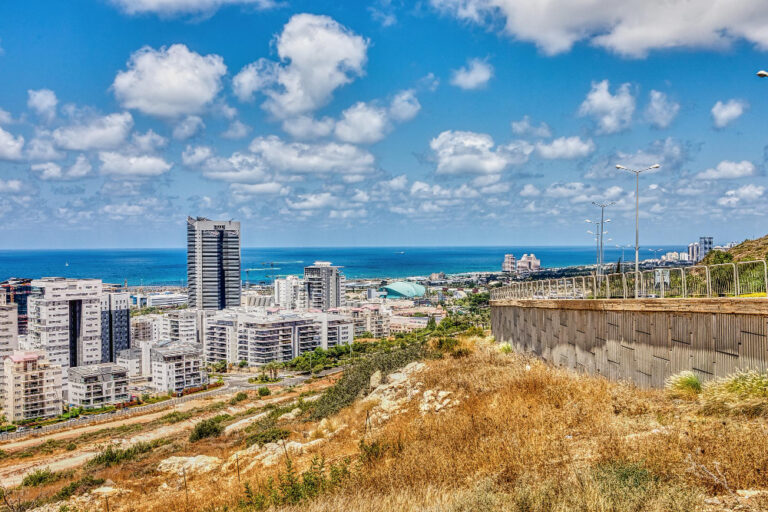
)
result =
(742, 279)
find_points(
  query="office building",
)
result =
(65, 321)
(213, 263)
(176, 367)
(509, 264)
(32, 386)
(17, 291)
(324, 286)
(98, 385)
(289, 292)
(115, 325)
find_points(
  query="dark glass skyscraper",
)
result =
(213, 263)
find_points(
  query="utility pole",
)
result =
(603, 220)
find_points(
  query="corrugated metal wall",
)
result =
(635, 343)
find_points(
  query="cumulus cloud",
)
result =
(404, 106)
(747, 193)
(43, 102)
(177, 7)
(236, 130)
(669, 153)
(239, 168)
(317, 56)
(565, 148)
(10, 146)
(120, 164)
(5, 117)
(307, 127)
(459, 152)
(611, 112)
(529, 190)
(258, 189)
(105, 132)
(631, 28)
(362, 123)
(729, 170)
(188, 127)
(304, 158)
(195, 155)
(148, 141)
(661, 111)
(313, 201)
(169, 82)
(524, 127)
(474, 75)
(725, 113)
(52, 171)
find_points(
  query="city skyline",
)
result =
(449, 123)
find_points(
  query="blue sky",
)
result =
(437, 122)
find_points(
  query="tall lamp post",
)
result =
(637, 219)
(603, 220)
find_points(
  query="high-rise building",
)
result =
(213, 263)
(180, 326)
(509, 263)
(705, 245)
(9, 330)
(324, 286)
(115, 325)
(289, 292)
(98, 385)
(31, 386)
(528, 263)
(65, 320)
(693, 252)
(17, 291)
(177, 366)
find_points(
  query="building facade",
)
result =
(17, 291)
(705, 246)
(324, 286)
(528, 263)
(115, 324)
(180, 326)
(32, 386)
(176, 367)
(9, 328)
(98, 385)
(213, 263)
(509, 264)
(289, 292)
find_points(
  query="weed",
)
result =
(685, 384)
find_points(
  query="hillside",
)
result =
(458, 425)
(747, 250)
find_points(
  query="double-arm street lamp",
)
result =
(637, 219)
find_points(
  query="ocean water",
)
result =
(168, 266)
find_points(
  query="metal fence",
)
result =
(742, 279)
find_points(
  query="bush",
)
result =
(270, 435)
(242, 395)
(505, 348)
(84, 484)
(685, 384)
(112, 455)
(39, 477)
(204, 429)
(176, 417)
(264, 391)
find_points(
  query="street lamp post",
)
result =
(637, 219)
(603, 220)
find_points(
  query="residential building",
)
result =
(335, 330)
(324, 286)
(509, 264)
(528, 264)
(693, 252)
(407, 323)
(146, 328)
(17, 291)
(705, 245)
(32, 386)
(369, 318)
(65, 321)
(115, 324)
(289, 292)
(256, 299)
(180, 326)
(9, 328)
(213, 263)
(177, 366)
(131, 360)
(98, 385)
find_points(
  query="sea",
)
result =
(168, 266)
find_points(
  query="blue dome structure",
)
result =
(403, 290)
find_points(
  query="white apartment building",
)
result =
(371, 318)
(98, 385)
(335, 330)
(32, 386)
(180, 326)
(528, 263)
(9, 328)
(146, 328)
(166, 299)
(324, 286)
(257, 300)
(289, 292)
(65, 321)
(177, 366)
(509, 264)
(130, 359)
(407, 323)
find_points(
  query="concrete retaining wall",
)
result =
(643, 341)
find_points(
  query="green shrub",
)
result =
(685, 384)
(39, 477)
(78, 486)
(270, 435)
(71, 446)
(264, 391)
(505, 348)
(204, 429)
(113, 455)
(242, 395)
(176, 417)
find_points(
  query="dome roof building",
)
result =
(403, 290)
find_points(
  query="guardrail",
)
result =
(742, 279)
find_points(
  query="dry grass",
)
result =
(525, 437)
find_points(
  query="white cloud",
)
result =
(469, 152)
(169, 82)
(10, 186)
(562, 190)
(404, 106)
(566, 148)
(729, 170)
(630, 28)
(10, 146)
(474, 75)
(238, 168)
(258, 189)
(661, 111)
(41, 147)
(669, 153)
(176, 7)
(611, 112)
(307, 127)
(530, 190)
(5, 117)
(43, 102)
(236, 130)
(149, 141)
(747, 193)
(105, 132)
(396, 183)
(52, 171)
(306, 158)
(313, 201)
(119, 164)
(362, 123)
(360, 196)
(524, 127)
(725, 113)
(351, 213)
(317, 56)
(188, 127)
(195, 155)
